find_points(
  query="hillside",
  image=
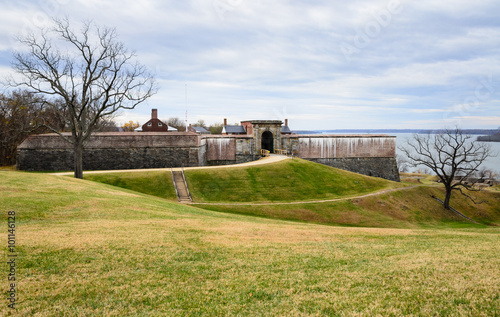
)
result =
(289, 180)
(409, 208)
(92, 249)
(286, 181)
(158, 184)
(260, 190)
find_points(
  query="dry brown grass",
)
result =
(84, 252)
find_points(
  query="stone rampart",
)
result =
(383, 167)
(49, 152)
(365, 154)
(372, 155)
(340, 146)
(229, 149)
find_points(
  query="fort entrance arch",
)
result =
(268, 141)
(266, 134)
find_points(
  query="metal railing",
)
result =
(175, 184)
(186, 184)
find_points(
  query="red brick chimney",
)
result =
(225, 121)
(286, 122)
(154, 114)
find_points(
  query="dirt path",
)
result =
(307, 202)
(264, 160)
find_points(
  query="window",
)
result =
(159, 124)
(150, 124)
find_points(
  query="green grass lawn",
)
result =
(89, 249)
(290, 180)
(300, 180)
(409, 208)
(158, 184)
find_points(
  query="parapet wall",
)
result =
(228, 149)
(108, 151)
(372, 155)
(340, 146)
(114, 140)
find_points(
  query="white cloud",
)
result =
(472, 121)
(426, 110)
(259, 59)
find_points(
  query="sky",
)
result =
(324, 65)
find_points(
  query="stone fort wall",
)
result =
(229, 149)
(368, 154)
(109, 151)
(372, 155)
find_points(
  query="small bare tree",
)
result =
(90, 71)
(176, 123)
(403, 163)
(452, 155)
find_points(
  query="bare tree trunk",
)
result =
(78, 151)
(447, 199)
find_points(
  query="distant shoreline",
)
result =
(489, 138)
(386, 131)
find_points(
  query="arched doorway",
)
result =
(268, 141)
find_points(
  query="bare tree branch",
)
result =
(453, 156)
(90, 70)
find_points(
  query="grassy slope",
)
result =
(301, 180)
(158, 184)
(290, 180)
(91, 249)
(410, 208)
(295, 180)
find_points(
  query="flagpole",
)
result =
(186, 97)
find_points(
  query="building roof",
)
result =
(264, 121)
(200, 129)
(234, 129)
(285, 129)
(170, 129)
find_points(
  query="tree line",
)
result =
(23, 113)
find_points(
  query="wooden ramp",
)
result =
(181, 187)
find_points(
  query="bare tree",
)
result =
(403, 163)
(485, 174)
(90, 71)
(176, 123)
(22, 114)
(452, 155)
(201, 123)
